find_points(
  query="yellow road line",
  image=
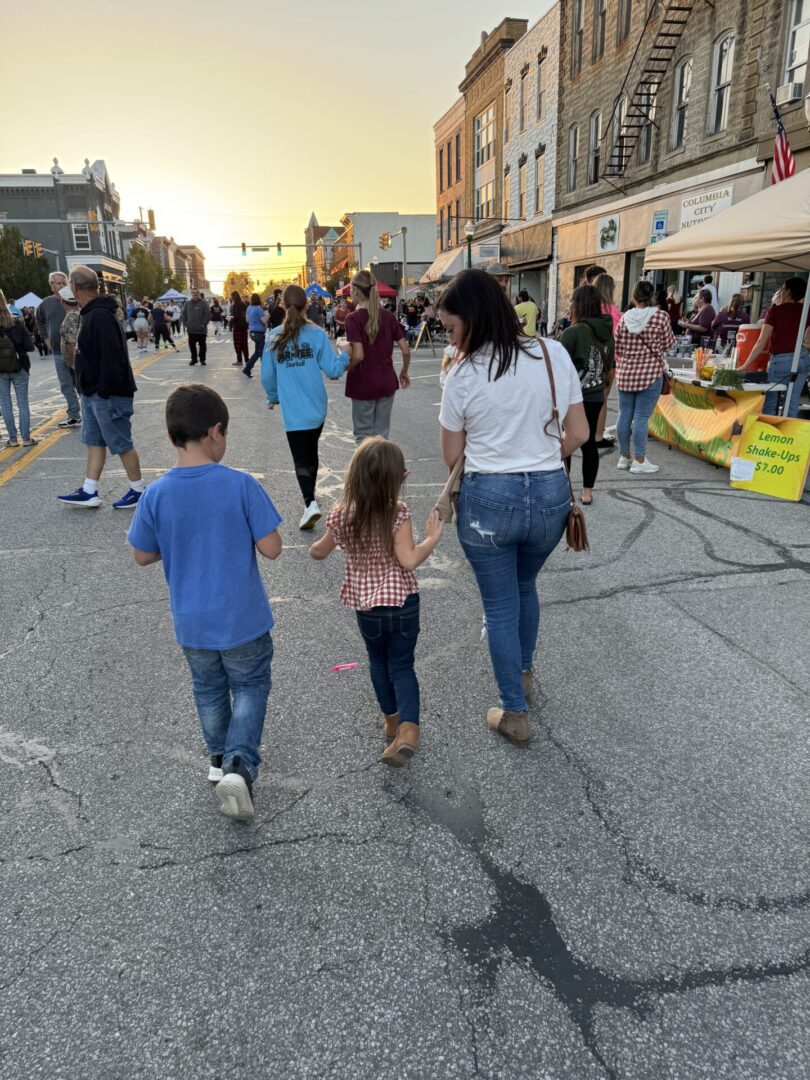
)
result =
(31, 455)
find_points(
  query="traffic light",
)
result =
(151, 215)
(93, 216)
(278, 249)
(28, 247)
(244, 251)
(38, 249)
(385, 241)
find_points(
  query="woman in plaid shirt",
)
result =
(643, 336)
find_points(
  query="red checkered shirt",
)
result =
(371, 578)
(640, 357)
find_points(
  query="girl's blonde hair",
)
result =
(6, 318)
(673, 294)
(366, 283)
(371, 493)
(295, 302)
(606, 287)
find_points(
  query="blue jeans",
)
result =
(231, 688)
(508, 525)
(108, 422)
(19, 380)
(779, 372)
(257, 337)
(390, 635)
(635, 410)
(67, 386)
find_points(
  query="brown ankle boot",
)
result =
(391, 723)
(514, 726)
(527, 679)
(403, 747)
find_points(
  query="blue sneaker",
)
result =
(128, 501)
(79, 497)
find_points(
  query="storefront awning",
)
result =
(527, 247)
(444, 267)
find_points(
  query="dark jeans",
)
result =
(257, 337)
(162, 332)
(195, 340)
(590, 454)
(304, 448)
(390, 635)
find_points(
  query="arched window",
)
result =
(594, 146)
(573, 154)
(645, 135)
(722, 67)
(625, 20)
(617, 136)
(599, 23)
(680, 102)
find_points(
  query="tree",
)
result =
(333, 281)
(20, 273)
(240, 281)
(271, 287)
(174, 280)
(145, 276)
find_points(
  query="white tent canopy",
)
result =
(768, 232)
(29, 300)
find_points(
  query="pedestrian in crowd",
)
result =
(589, 343)
(49, 320)
(206, 522)
(372, 382)
(239, 328)
(782, 327)
(296, 357)
(329, 319)
(643, 337)
(661, 298)
(107, 386)
(196, 316)
(674, 308)
(528, 313)
(341, 314)
(729, 319)
(69, 333)
(175, 313)
(700, 326)
(217, 316)
(503, 275)
(605, 285)
(315, 311)
(514, 501)
(592, 273)
(160, 327)
(373, 528)
(15, 368)
(275, 315)
(257, 323)
(708, 283)
(140, 323)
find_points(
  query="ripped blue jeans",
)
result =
(508, 525)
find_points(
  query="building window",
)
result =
(522, 102)
(594, 146)
(484, 200)
(798, 44)
(441, 229)
(507, 114)
(599, 22)
(522, 191)
(573, 154)
(449, 225)
(507, 194)
(721, 83)
(450, 164)
(680, 102)
(484, 131)
(645, 136)
(539, 182)
(625, 20)
(441, 170)
(81, 238)
(577, 35)
(458, 158)
(102, 237)
(618, 136)
(541, 86)
(458, 219)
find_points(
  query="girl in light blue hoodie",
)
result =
(297, 355)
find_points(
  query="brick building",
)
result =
(194, 265)
(452, 194)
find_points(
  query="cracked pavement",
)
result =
(627, 899)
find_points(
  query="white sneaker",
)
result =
(643, 468)
(311, 515)
(624, 462)
(610, 432)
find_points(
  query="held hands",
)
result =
(433, 526)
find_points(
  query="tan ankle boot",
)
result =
(514, 726)
(391, 723)
(403, 747)
(527, 679)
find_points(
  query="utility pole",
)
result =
(403, 232)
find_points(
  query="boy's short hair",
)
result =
(191, 411)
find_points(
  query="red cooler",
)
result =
(747, 337)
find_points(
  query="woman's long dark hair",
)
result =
(586, 303)
(475, 297)
(237, 301)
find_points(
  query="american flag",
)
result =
(783, 163)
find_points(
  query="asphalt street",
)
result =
(626, 899)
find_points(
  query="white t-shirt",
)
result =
(504, 419)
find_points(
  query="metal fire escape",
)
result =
(641, 104)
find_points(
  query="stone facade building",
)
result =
(452, 205)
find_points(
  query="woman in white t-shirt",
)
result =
(514, 501)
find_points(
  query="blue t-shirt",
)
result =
(254, 317)
(295, 379)
(204, 521)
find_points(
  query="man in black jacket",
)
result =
(107, 385)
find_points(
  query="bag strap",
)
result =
(555, 416)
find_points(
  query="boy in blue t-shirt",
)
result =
(206, 522)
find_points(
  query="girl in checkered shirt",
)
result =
(373, 527)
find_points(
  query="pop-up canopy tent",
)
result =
(29, 300)
(382, 289)
(769, 231)
(317, 290)
(172, 294)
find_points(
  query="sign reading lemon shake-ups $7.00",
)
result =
(772, 457)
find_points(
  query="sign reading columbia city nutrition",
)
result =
(773, 456)
(705, 204)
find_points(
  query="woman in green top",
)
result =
(589, 342)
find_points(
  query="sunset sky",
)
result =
(234, 122)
